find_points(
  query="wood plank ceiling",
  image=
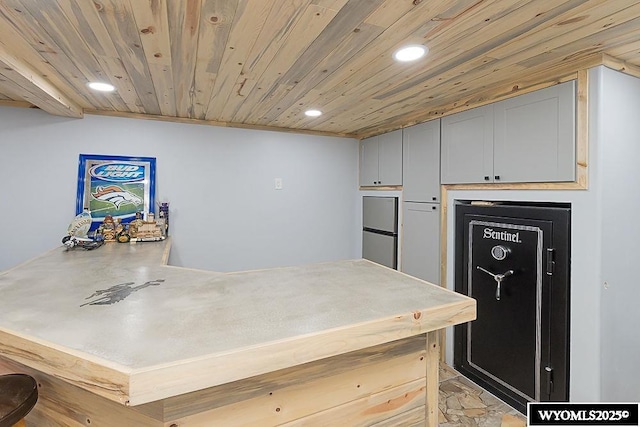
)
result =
(261, 63)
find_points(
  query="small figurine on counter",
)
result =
(149, 230)
(122, 232)
(77, 233)
(108, 229)
(119, 226)
(113, 230)
(135, 225)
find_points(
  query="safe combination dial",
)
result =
(500, 252)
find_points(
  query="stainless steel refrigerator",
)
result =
(380, 230)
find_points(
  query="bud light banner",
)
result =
(116, 186)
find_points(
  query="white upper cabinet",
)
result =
(528, 138)
(369, 161)
(421, 162)
(534, 139)
(467, 146)
(381, 160)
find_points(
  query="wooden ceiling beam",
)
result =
(15, 104)
(38, 90)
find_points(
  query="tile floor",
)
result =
(463, 403)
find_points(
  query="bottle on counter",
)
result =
(164, 214)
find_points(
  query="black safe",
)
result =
(514, 260)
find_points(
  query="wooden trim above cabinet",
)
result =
(381, 187)
(620, 65)
(582, 130)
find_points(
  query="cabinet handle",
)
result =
(434, 198)
(486, 177)
(497, 177)
(434, 208)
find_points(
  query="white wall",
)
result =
(225, 213)
(620, 284)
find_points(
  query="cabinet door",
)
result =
(535, 136)
(467, 146)
(421, 162)
(369, 161)
(421, 241)
(390, 158)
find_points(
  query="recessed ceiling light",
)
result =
(102, 87)
(410, 53)
(313, 113)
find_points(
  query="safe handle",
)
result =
(497, 277)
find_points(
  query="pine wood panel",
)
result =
(84, 16)
(411, 418)
(65, 405)
(90, 373)
(371, 409)
(271, 40)
(380, 77)
(22, 50)
(432, 356)
(351, 28)
(246, 29)
(411, 351)
(116, 17)
(339, 86)
(32, 39)
(292, 394)
(379, 386)
(184, 27)
(269, 89)
(153, 23)
(69, 43)
(475, 64)
(261, 63)
(22, 79)
(626, 51)
(216, 18)
(617, 64)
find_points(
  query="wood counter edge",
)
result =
(168, 380)
(163, 260)
(89, 372)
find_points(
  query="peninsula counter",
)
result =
(115, 337)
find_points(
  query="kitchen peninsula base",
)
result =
(381, 385)
(129, 341)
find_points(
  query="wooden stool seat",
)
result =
(18, 395)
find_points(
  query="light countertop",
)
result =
(179, 330)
